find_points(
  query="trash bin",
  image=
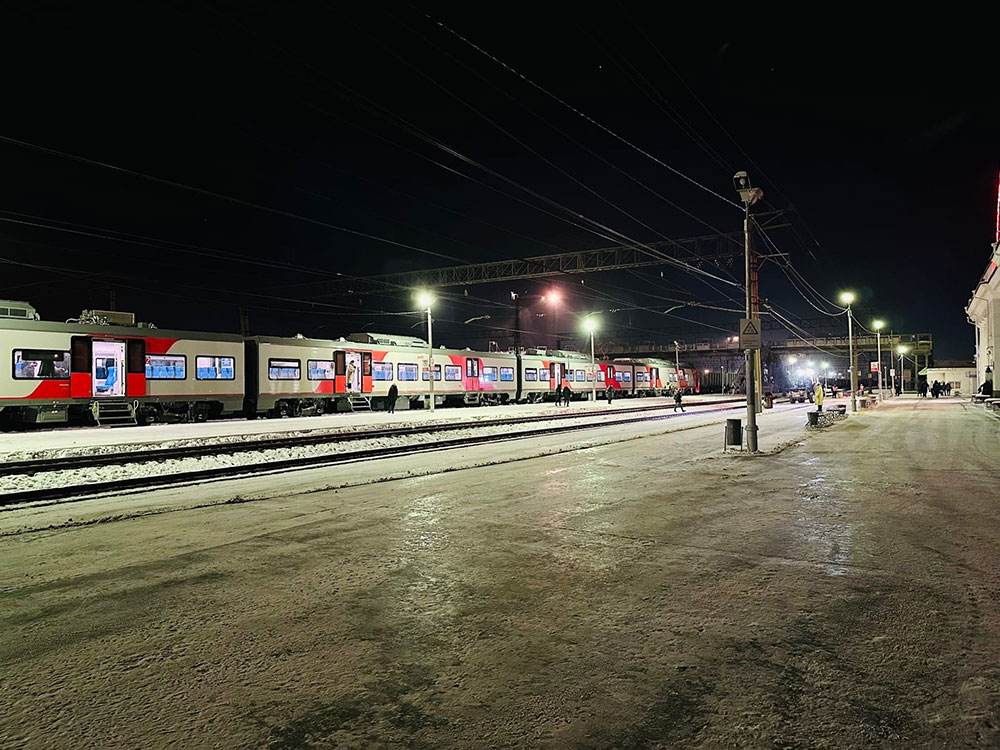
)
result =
(734, 432)
(813, 418)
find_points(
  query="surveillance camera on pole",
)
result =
(749, 195)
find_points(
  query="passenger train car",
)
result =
(104, 368)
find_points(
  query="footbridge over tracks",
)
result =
(726, 356)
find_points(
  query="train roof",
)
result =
(92, 329)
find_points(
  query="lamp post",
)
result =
(426, 299)
(848, 299)
(878, 325)
(901, 350)
(591, 325)
(749, 195)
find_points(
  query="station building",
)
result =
(984, 313)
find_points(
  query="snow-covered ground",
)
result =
(647, 593)
(780, 426)
(19, 446)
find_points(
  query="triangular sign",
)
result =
(750, 329)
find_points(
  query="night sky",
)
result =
(270, 130)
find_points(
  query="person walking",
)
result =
(677, 401)
(391, 398)
(609, 393)
(567, 394)
(818, 396)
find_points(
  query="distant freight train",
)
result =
(103, 368)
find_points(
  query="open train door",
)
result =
(556, 373)
(366, 372)
(81, 355)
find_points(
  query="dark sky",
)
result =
(357, 117)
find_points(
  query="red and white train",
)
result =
(106, 369)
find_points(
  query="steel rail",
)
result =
(132, 484)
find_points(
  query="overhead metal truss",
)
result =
(696, 251)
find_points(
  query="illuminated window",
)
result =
(320, 369)
(166, 367)
(530, 374)
(425, 374)
(507, 374)
(490, 373)
(543, 373)
(406, 372)
(280, 369)
(581, 376)
(453, 372)
(41, 364)
(382, 371)
(218, 368)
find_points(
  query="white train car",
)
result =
(542, 371)
(62, 372)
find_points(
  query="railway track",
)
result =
(575, 423)
(64, 463)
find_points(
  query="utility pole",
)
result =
(677, 363)
(517, 321)
(749, 195)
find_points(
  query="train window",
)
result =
(627, 377)
(543, 373)
(471, 367)
(530, 373)
(507, 374)
(284, 369)
(166, 367)
(382, 370)
(590, 377)
(600, 376)
(406, 372)
(581, 375)
(320, 369)
(569, 375)
(215, 368)
(425, 374)
(490, 373)
(618, 377)
(453, 372)
(41, 364)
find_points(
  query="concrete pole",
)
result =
(878, 339)
(430, 354)
(593, 370)
(854, 363)
(750, 359)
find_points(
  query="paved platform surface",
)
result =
(648, 593)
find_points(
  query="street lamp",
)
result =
(591, 325)
(749, 195)
(901, 350)
(425, 299)
(847, 298)
(878, 325)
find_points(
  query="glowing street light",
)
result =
(901, 349)
(425, 299)
(847, 298)
(878, 325)
(590, 324)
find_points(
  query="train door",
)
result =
(339, 371)
(557, 371)
(352, 379)
(80, 381)
(135, 376)
(366, 372)
(654, 377)
(108, 368)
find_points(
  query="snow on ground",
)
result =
(34, 444)
(13, 484)
(779, 427)
(652, 593)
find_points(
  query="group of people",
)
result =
(564, 395)
(937, 389)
